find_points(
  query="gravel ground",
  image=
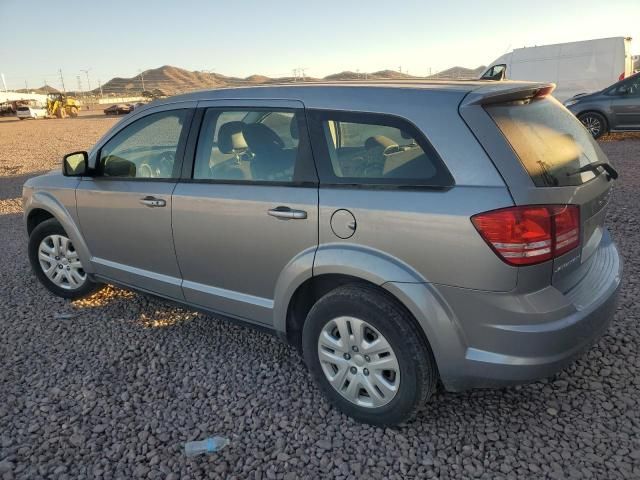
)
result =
(112, 386)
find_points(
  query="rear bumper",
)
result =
(508, 338)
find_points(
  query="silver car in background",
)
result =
(398, 234)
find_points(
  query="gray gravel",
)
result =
(111, 387)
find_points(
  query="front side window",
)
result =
(497, 72)
(248, 145)
(378, 149)
(630, 87)
(146, 148)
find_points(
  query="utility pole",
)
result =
(79, 84)
(211, 76)
(100, 87)
(26, 86)
(142, 78)
(86, 72)
(64, 90)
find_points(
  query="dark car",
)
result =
(614, 109)
(120, 109)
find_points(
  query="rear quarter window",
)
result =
(550, 141)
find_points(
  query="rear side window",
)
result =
(549, 141)
(251, 146)
(373, 149)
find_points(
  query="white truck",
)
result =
(575, 67)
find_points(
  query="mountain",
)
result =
(460, 73)
(169, 80)
(42, 90)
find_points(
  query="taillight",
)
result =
(530, 234)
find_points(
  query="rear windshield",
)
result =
(550, 142)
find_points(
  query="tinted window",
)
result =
(247, 145)
(630, 87)
(145, 149)
(497, 72)
(550, 142)
(378, 149)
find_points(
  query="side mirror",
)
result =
(75, 164)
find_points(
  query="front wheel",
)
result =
(367, 355)
(56, 263)
(595, 123)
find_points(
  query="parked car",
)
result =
(614, 109)
(398, 235)
(575, 67)
(120, 109)
(24, 111)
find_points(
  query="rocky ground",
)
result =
(112, 386)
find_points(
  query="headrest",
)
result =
(119, 167)
(261, 139)
(230, 138)
(293, 127)
(378, 141)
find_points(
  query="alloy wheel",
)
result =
(593, 124)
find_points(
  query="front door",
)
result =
(625, 104)
(125, 208)
(249, 209)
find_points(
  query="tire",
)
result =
(51, 229)
(74, 112)
(594, 122)
(412, 373)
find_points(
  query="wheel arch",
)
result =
(607, 124)
(42, 206)
(334, 266)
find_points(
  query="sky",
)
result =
(272, 37)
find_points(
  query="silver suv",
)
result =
(399, 235)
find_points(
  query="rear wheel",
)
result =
(74, 112)
(56, 263)
(595, 123)
(367, 355)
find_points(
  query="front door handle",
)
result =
(153, 202)
(287, 213)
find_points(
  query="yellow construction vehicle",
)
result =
(61, 106)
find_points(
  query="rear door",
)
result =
(248, 207)
(538, 146)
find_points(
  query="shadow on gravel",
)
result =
(11, 184)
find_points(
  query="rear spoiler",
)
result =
(501, 92)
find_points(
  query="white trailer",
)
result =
(575, 67)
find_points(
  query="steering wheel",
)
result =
(165, 164)
(144, 171)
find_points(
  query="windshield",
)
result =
(550, 142)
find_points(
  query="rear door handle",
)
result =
(153, 202)
(287, 213)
